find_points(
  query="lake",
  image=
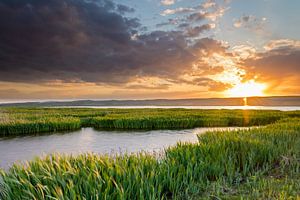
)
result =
(20, 149)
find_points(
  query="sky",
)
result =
(148, 49)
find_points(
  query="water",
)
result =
(20, 149)
(282, 108)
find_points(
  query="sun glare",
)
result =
(247, 89)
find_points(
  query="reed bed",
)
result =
(39, 125)
(221, 158)
(22, 121)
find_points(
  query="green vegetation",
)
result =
(260, 163)
(22, 121)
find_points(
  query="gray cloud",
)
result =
(197, 30)
(210, 83)
(88, 41)
(209, 10)
(197, 16)
(277, 65)
(250, 22)
(169, 22)
(50, 37)
(124, 9)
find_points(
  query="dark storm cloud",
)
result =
(87, 41)
(52, 37)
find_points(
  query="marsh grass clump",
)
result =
(21, 121)
(87, 176)
(39, 125)
(223, 163)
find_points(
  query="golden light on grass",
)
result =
(247, 89)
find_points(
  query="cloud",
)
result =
(209, 10)
(9, 94)
(147, 87)
(197, 30)
(60, 42)
(179, 10)
(124, 9)
(167, 2)
(277, 65)
(45, 40)
(169, 22)
(197, 16)
(244, 51)
(212, 84)
(209, 46)
(217, 13)
(75, 41)
(41, 36)
(208, 4)
(282, 44)
(250, 22)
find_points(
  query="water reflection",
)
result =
(89, 140)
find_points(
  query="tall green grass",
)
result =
(21, 121)
(183, 172)
(41, 125)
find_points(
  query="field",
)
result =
(22, 121)
(260, 163)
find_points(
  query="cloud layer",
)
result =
(279, 63)
(96, 42)
(90, 41)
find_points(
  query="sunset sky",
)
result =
(145, 49)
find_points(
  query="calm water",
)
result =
(282, 108)
(20, 149)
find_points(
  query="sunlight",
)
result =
(247, 89)
(245, 101)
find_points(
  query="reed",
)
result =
(21, 121)
(223, 158)
(40, 125)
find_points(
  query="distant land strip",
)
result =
(251, 101)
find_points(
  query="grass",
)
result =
(23, 121)
(260, 163)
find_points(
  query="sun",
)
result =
(247, 89)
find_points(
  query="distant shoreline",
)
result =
(251, 101)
